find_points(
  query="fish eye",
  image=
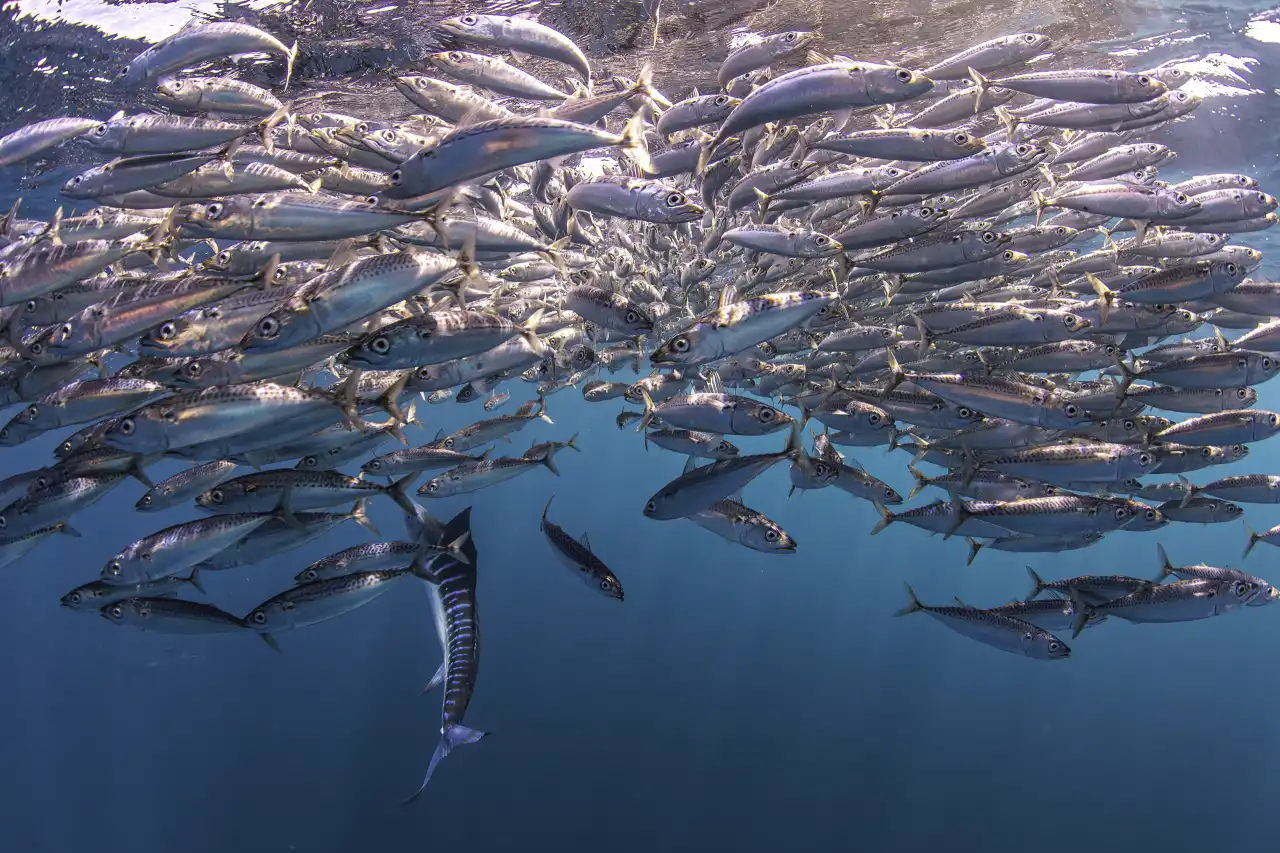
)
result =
(166, 331)
(651, 506)
(789, 37)
(675, 199)
(1144, 459)
(1180, 198)
(904, 75)
(821, 240)
(1144, 79)
(721, 100)
(1262, 197)
(217, 496)
(873, 418)
(960, 138)
(33, 411)
(448, 443)
(1242, 589)
(214, 210)
(101, 130)
(680, 344)
(113, 568)
(767, 415)
(1023, 149)
(1266, 363)
(796, 164)
(1120, 513)
(36, 348)
(1009, 256)
(396, 177)
(988, 236)
(965, 412)
(606, 585)
(1072, 410)
(1129, 425)
(258, 617)
(126, 426)
(1029, 38)
(1230, 268)
(116, 611)
(1242, 393)
(380, 345)
(771, 536)
(268, 327)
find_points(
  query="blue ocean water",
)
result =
(735, 700)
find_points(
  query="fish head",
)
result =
(229, 216)
(23, 427)
(79, 334)
(87, 184)
(1260, 367)
(131, 611)
(265, 618)
(1266, 594)
(82, 597)
(167, 336)
(723, 449)
(377, 349)
(144, 431)
(124, 568)
(1142, 518)
(679, 350)
(606, 582)
(287, 326)
(202, 372)
(887, 84)
(223, 497)
(1044, 646)
(762, 534)
(176, 92)
(441, 486)
(1171, 204)
(1172, 76)
(1141, 87)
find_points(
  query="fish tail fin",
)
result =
(633, 143)
(399, 492)
(267, 128)
(896, 374)
(1166, 567)
(359, 514)
(1106, 297)
(1037, 583)
(194, 580)
(573, 443)
(974, 547)
(913, 603)
(545, 508)
(1188, 489)
(541, 413)
(795, 443)
(1253, 540)
(886, 518)
(960, 513)
(291, 58)
(922, 482)
(982, 84)
(529, 328)
(649, 410)
(454, 736)
(1080, 612)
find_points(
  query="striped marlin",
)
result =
(452, 591)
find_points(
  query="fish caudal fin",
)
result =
(454, 736)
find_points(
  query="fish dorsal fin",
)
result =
(714, 383)
(690, 464)
(585, 540)
(736, 497)
(695, 93)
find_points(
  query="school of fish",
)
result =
(974, 264)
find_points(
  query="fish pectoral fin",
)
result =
(437, 679)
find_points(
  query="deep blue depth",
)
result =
(735, 701)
